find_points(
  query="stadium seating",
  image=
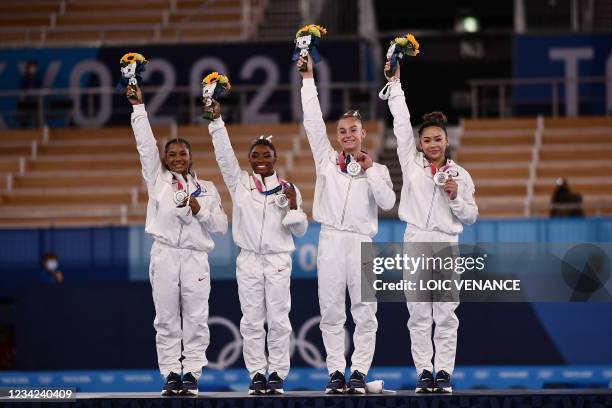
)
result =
(578, 149)
(92, 176)
(55, 22)
(515, 163)
(498, 153)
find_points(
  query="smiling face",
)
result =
(262, 159)
(434, 142)
(177, 158)
(350, 134)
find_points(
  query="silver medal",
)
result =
(180, 197)
(353, 168)
(281, 200)
(440, 178)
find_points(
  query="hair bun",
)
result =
(436, 117)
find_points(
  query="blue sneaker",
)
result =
(258, 385)
(275, 384)
(357, 383)
(425, 382)
(172, 386)
(336, 384)
(190, 385)
(443, 382)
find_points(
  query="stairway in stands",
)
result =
(281, 20)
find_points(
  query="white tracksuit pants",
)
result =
(424, 314)
(263, 288)
(180, 279)
(339, 267)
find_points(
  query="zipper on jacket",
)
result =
(346, 201)
(263, 221)
(431, 206)
(178, 244)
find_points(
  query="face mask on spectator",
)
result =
(52, 265)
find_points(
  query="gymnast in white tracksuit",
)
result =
(182, 211)
(262, 226)
(346, 206)
(432, 214)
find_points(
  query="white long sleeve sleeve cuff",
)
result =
(296, 221)
(203, 215)
(457, 203)
(184, 214)
(372, 172)
(139, 108)
(381, 186)
(396, 89)
(216, 124)
(308, 83)
(463, 210)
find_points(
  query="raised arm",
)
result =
(402, 128)
(226, 158)
(145, 141)
(313, 117)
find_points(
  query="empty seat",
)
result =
(499, 124)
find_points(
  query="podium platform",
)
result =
(468, 398)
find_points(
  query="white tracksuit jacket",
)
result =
(347, 208)
(423, 205)
(179, 270)
(430, 216)
(341, 201)
(264, 232)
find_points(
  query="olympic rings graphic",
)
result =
(230, 353)
(307, 350)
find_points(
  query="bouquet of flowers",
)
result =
(214, 86)
(132, 67)
(400, 46)
(307, 41)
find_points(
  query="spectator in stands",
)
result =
(437, 198)
(564, 202)
(350, 187)
(50, 263)
(182, 212)
(266, 214)
(28, 105)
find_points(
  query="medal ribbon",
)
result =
(434, 170)
(343, 160)
(281, 184)
(179, 186)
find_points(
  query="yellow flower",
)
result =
(224, 81)
(401, 41)
(409, 43)
(216, 77)
(311, 29)
(133, 57)
(210, 78)
(413, 41)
